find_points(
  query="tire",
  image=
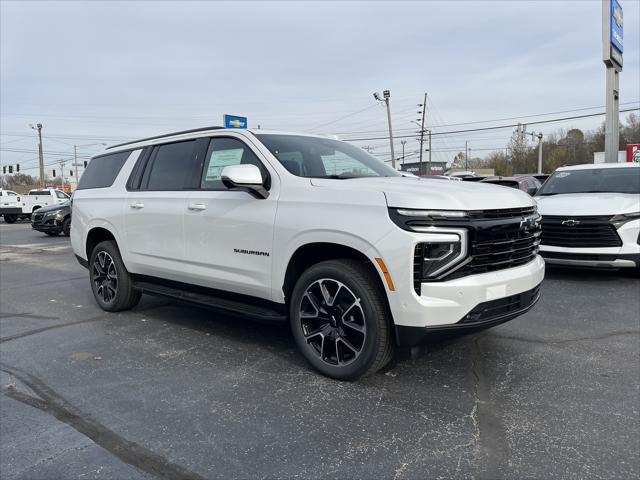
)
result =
(53, 234)
(66, 226)
(10, 218)
(341, 348)
(110, 281)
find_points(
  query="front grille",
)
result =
(502, 307)
(579, 232)
(496, 241)
(501, 213)
(37, 217)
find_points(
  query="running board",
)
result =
(223, 305)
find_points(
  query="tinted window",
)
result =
(40, 192)
(222, 153)
(171, 166)
(504, 183)
(102, 171)
(324, 158)
(620, 180)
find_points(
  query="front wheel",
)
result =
(66, 226)
(340, 320)
(110, 281)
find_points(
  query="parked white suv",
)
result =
(307, 229)
(591, 215)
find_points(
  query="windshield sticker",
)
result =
(562, 174)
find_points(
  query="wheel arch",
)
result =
(310, 254)
(96, 235)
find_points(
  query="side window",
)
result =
(102, 171)
(60, 194)
(222, 153)
(171, 166)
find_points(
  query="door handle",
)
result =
(197, 206)
(137, 206)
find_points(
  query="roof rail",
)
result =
(193, 130)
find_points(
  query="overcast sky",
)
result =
(107, 71)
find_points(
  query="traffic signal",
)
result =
(17, 167)
(85, 164)
(71, 173)
(4, 169)
(54, 173)
(10, 169)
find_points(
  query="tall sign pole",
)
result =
(612, 49)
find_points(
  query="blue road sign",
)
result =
(616, 25)
(235, 121)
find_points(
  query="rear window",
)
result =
(102, 171)
(40, 192)
(504, 183)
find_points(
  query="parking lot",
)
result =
(174, 391)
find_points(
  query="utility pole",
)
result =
(466, 155)
(386, 94)
(62, 163)
(423, 112)
(403, 143)
(612, 47)
(429, 169)
(38, 127)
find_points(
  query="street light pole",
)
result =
(403, 143)
(424, 110)
(540, 153)
(386, 94)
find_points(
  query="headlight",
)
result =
(433, 214)
(53, 213)
(438, 253)
(620, 220)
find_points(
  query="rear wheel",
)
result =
(340, 321)
(10, 218)
(110, 281)
(66, 226)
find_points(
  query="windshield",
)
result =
(324, 158)
(618, 180)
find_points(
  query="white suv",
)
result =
(305, 229)
(591, 215)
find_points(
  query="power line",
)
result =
(492, 128)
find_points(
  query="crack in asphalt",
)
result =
(489, 432)
(27, 315)
(51, 327)
(129, 452)
(567, 340)
(64, 280)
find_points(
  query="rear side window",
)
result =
(171, 166)
(102, 171)
(40, 192)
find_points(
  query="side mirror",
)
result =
(246, 178)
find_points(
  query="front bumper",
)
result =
(625, 256)
(46, 224)
(485, 315)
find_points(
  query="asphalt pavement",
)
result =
(173, 391)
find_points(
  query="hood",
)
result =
(53, 208)
(588, 204)
(431, 193)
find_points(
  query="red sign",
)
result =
(633, 152)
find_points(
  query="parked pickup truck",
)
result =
(25, 205)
